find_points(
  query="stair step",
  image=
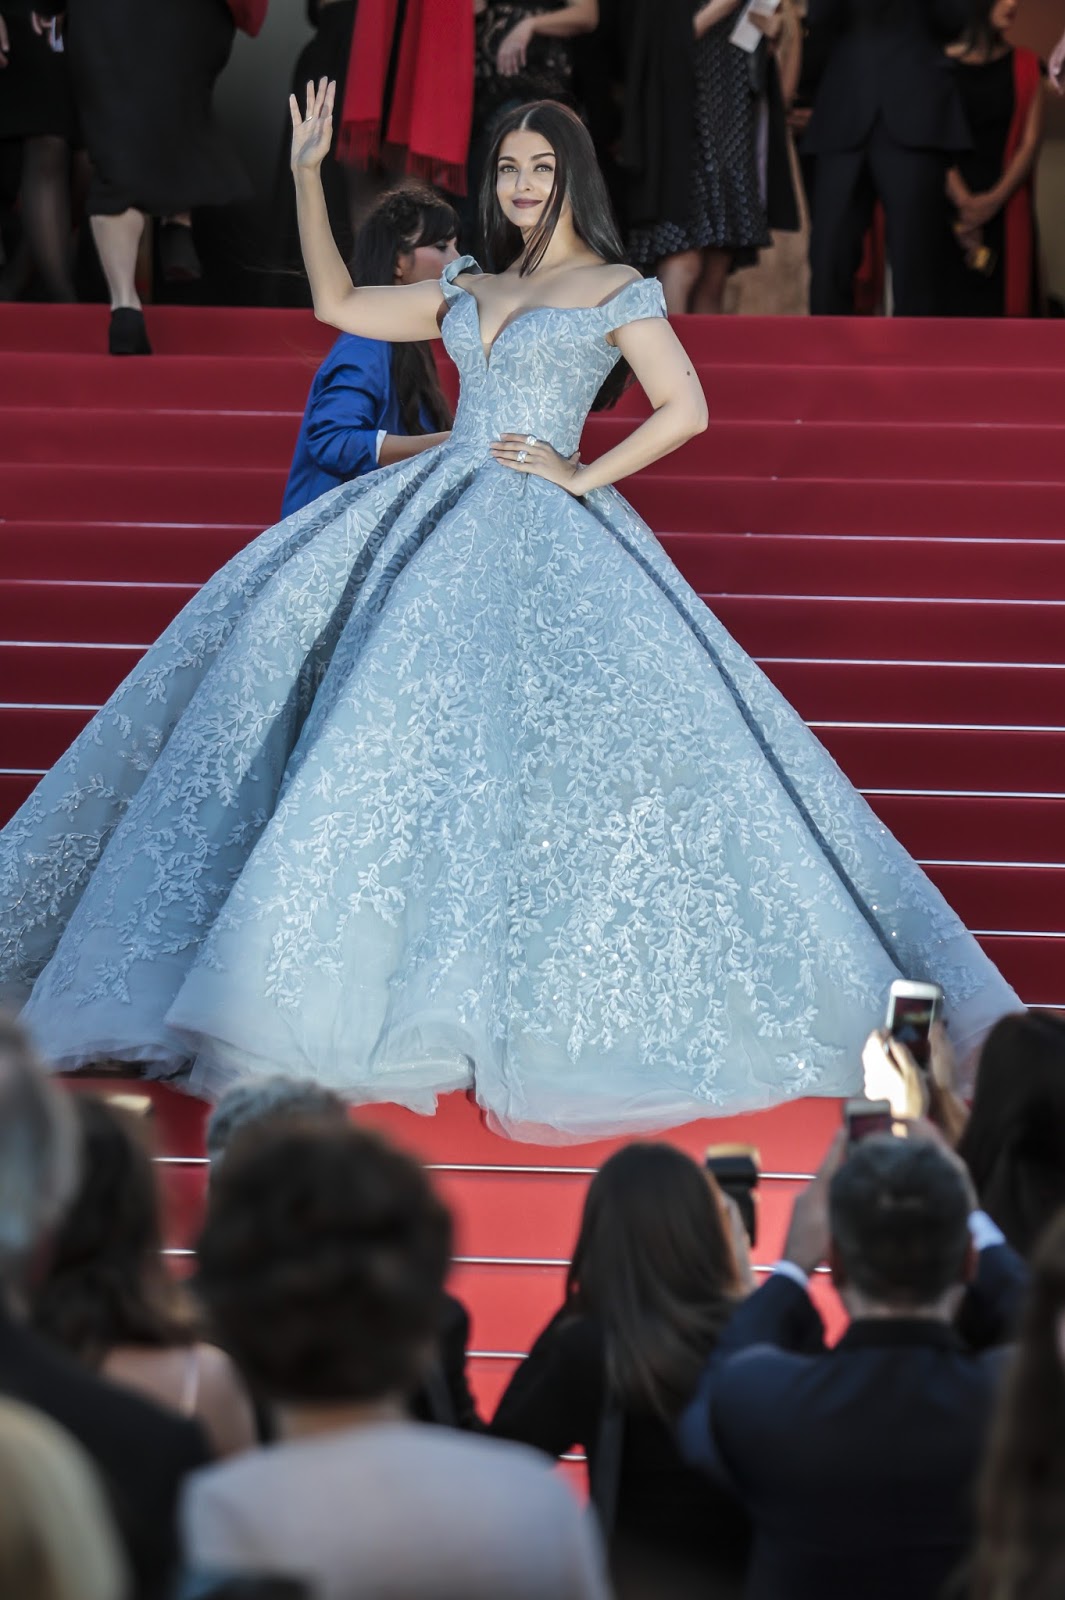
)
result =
(821, 691)
(953, 827)
(777, 392)
(737, 563)
(794, 626)
(878, 757)
(902, 452)
(189, 439)
(121, 552)
(101, 613)
(173, 330)
(921, 691)
(1035, 966)
(198, 383)
(763, 393)
(1006, 899)
(929, 630)
(873, 757)
(840, 506)
(780, 563)
(883, 341)
(99, 436)
(65, 674)
(145, 494)
(816, 341)
(682, 504)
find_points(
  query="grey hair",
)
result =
(259, 1099)
(39, 1151)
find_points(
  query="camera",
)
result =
(734, 1168)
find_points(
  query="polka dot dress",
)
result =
(726, 211)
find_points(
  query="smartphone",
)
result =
(911, 1010)
(735, 1170)
(863, 1118)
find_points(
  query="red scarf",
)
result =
(432, 100)
(249, 15)
(1019, 223)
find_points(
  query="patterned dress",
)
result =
(450, 781)
(727, 209)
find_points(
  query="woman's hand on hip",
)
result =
(312, 134)
(523, 452)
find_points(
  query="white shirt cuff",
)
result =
(788, 1269)
(382, 435)
(984, 1233)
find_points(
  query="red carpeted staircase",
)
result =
(877, 512)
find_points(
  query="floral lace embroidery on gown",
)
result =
(451, 779)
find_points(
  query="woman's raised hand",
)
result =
(313, 134)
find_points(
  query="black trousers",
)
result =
(910, 184)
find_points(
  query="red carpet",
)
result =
(877, 512)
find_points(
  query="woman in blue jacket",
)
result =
(371, 402)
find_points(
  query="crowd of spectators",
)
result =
(896, 141)
(333, 1451)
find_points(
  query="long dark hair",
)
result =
(578, 180)
(979, 36)
(1021, 1550)
(654, 1265)
(403, 220)
(106, 1283)
(1014, 1141)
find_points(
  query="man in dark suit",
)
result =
(141, 1452)
(887, 124)
(857, 1465)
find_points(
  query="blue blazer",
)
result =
(857, 1464)
(351, 400)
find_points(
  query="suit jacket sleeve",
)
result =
(780, 1314)
(347, 410)
(991, 1309)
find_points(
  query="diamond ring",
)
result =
(523, 455)
(530, 438)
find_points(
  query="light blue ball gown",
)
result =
(451, 780)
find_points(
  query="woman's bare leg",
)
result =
(709, 296)
(117, 242)
(679, 275)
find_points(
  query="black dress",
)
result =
(668, 1517)
(726, 208)
(548, 70)
(988, 96)
(144, 77)
(36, 98)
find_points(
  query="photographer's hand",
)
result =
(806, 1245)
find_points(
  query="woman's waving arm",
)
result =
(397, 314)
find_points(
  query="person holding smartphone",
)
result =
(856, 1464)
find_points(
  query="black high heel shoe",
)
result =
(127, 335)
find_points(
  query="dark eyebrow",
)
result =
(550, 154)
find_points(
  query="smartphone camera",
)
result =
(912, 1009)
(863, 1118)
(734, 1168)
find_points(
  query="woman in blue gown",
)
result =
(450, 780)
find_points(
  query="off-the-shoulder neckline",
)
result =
(468, 263)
